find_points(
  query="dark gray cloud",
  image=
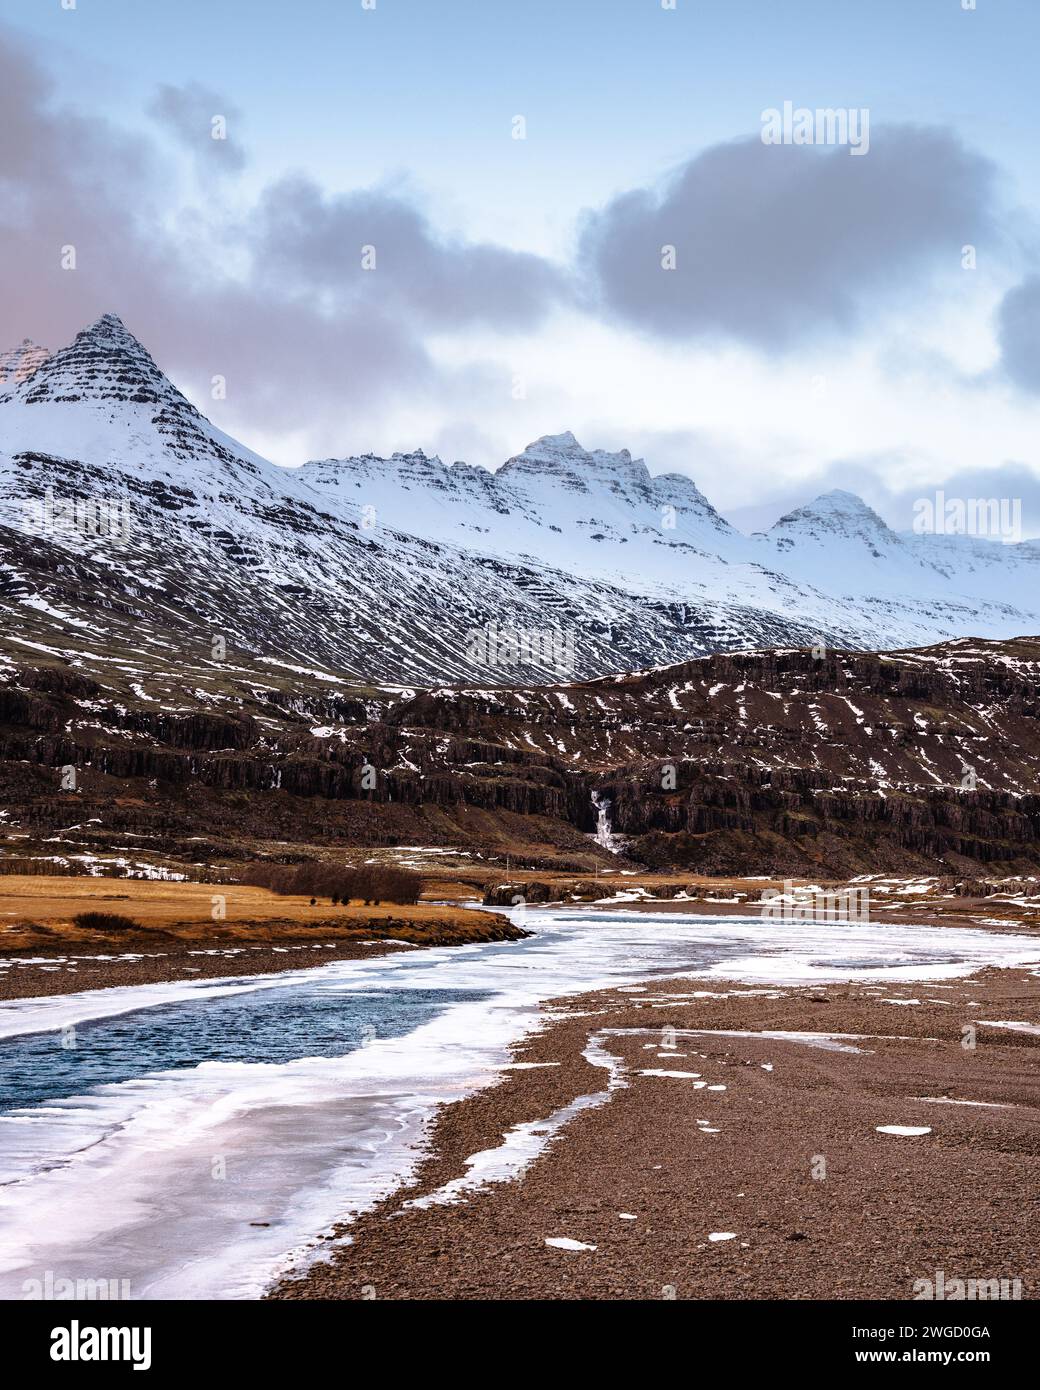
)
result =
(776, 242)
(204, 123)
(309, 242)
(1018, 329)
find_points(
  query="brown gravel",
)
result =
(964, 1199)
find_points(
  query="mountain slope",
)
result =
(768, 762)
(19, 363)
(221, 547)
(131, 526)
(556, 503)
(602, 516)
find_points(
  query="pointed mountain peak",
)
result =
(565, 448)
(104, 363)
(559, 460)
(840, 499)
(836, 518)
(679, 491)
(549, 455)
(110, 334)
(550, 447)
(831, 509)
(564, 441)
(109, 328)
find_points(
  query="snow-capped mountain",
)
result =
(834, 562)
(131, 525)
(19, 363)
(591, 512)
(840, 544)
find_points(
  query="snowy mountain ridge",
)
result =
(385, 569)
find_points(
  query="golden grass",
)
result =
(451, 890)
(192, 912)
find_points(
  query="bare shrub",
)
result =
(385, 883)
(372, 883)
(105, 921)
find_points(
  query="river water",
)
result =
(195, 1138)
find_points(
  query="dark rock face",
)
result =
(751, 763)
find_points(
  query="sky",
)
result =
(821, 324)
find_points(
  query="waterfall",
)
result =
(604, 834)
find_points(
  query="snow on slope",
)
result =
(592, 512)
(834, 562)
(841, 543)
(226, 545)
(385, 569)
(103, 399)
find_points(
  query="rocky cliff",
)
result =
(780, 761)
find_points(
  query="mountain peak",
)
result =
(839, 497)
(19, 363)
(104, 363)
(679, 491)
(551, 449)
(840, 530)
(830, 510)
(565, 441)
(109, 328)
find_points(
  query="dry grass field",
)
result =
(38, 913)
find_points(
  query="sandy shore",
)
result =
(772, 1144)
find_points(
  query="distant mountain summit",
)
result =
(104, 401)
(19, 363)
(836, 513)
(408, 570)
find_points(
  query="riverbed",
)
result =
(196, 1138)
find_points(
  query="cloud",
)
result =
(1018, 327)
(322, 356)
(272, 298)
(311, 243)
(65, 181)
(774, 243)
(871, 477)
(1011, 481)
(204, 123)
